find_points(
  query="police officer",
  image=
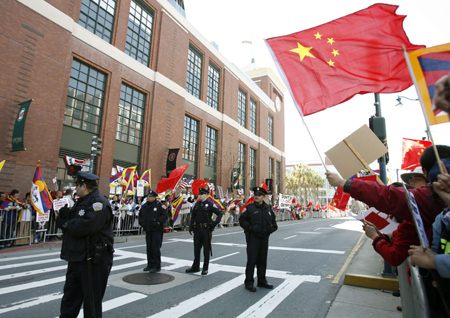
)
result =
(258, 222)
(152, 218)
(88, 247)
(203, 225)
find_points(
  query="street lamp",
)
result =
(399, 100)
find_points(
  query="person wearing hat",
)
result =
(203, 225)
(152, 217)
(88, 247)
(258, 222)
(415, 178)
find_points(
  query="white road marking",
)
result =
(21, 258)
(307, 233)
(195, 302)
(289, 237)
(26, 303)
(269, 302)
(323, 228)
(45, 261)
(216, 259)
(117, 302)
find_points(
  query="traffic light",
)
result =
(95, 147)
(378, 126)
(72, 170)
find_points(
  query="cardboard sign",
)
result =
(412, 205)
(58, 204)
(285, 201)
(365, 142)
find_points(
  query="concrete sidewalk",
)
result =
(365, 293)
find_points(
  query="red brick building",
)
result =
(136, 74)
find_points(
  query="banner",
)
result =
(171, 160)
(19, 126)
(285, 201)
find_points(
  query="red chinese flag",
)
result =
(264, 185)
(293, 200)
(172, 180)
(251, 200)
(412, 150)
(198, 184)
(317, 206)
(340, 199)
(309, 204)
(356, 54)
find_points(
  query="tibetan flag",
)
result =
(340, 199)
(127, 175)
(237, 181)
(357, 54)
(1, 164)
(41, 199)
(173, 179)
(196, 184)
(147, 177)
(251, 200)
(428, 65)
(412, 150)
(217, 203)
(176, 207)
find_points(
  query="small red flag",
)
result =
(198, 184)
(412, 150)
(251, 200)
(293, 200)
(357, 54)
(172, 180)
(264, 185)
(340, 199)
(317, 206)
(309, 204)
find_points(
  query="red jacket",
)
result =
(392, 200)
(395, 251)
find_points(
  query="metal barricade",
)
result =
(412, 291)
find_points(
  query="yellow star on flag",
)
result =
(331, 41)
(335, 52)
(318, 36)
(331, 63)
(302, 51)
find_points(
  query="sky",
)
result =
(230, 23)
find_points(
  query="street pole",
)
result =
(382, 161)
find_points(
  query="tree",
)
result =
(304, 182)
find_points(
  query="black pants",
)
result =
(201, 239)
(256, 256)
(153, 240)
(77, 290)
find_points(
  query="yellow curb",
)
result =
(349, 258)
(371, 282)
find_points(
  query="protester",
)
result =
(25, 236)
(415, 178)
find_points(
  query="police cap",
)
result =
(84, 176)
(153, 194)
(259, 190)
(203, 191)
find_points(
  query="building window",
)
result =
(242, 108)
(190, 138)
(85, 97)
(139, 34)
(131, 115)
(252, 167)
(241, 163)
(211, 147)
(213, 86)
(252, 124)
(278, 175)
(270, 130)
(98, 17)
(270, 168)
(194, 72)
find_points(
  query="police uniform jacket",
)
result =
(152, 216)
(258, 220)
(91, 216)
(202, 213)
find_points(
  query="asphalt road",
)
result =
(304, 258)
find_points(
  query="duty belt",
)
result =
(200, 225)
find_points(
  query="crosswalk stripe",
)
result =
(117, 302)
(21, 258)
(193, 303)
(32, 302)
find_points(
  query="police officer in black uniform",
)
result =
(258, 222)
(152, 217)
(203, 225)
(88, 247)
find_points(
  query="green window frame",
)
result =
(140, 30)
(190, 138)
(242, 108)
(212, 98)
(131, 115)
(194, 72)
(97, 16)
(85, 97)
(211, 147)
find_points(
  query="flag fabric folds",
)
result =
(428, 65)
(196, 184)
(412, 149)
(1, 164)
(317, 206)
(340, 199)
(217, 203)
(176, 206)
(356, 54)
(147, 177)
(237, 181)
(41, 199)
(172, 180)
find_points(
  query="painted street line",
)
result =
(216, 259)
(21, 258)
(308, 233)
(117, 302)
(289, 237)
(31, 302)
